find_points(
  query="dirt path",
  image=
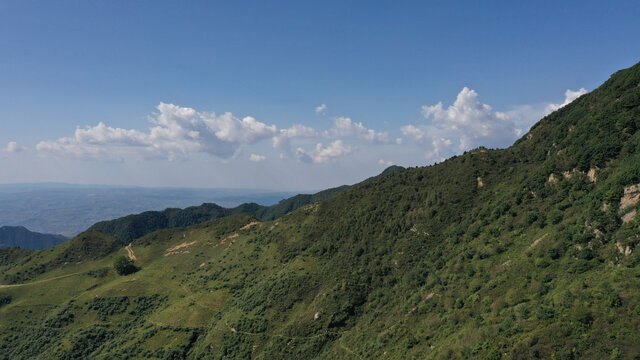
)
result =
(40, 281)
(132, 256)
(233, 330)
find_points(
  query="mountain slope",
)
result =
(19, 236)
(521, 253)
(131, 227)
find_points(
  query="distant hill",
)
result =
(19, 236)
(528, 252)
(69, 209)
(131, 227)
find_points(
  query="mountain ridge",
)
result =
(131, 227)
(19, 236)
(485, 255)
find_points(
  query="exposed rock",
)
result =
(183, 245)
(626, 251)
(249, 225)
(628, 217)
(480, 183)
(537, 241)
(316, 316)
(592, 174)
(553, 179)
(631, 196)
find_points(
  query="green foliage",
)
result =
(98, 273)
(124, 266)
(132, 227)
(421, 263)
(5, 299)
(108, 306)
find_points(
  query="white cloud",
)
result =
(399, 141)
(385, 163)
(466, 124)
(177, 131)
(322, 109)
(257, 158)
(281, 140)
(13, 147)
(322, 154)
(569, 96)
(469, 123)
(345, 127)
(414, 133)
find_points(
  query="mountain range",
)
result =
(518, 253)
(19, 236)
(131, 227)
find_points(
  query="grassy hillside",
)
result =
(19, 236)
(521, 253)
(131, 227)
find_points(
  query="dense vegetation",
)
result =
(18, 236)
(132, 227)
(124, 266)
(526, 252)
(90, 245)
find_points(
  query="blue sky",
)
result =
(224, 94)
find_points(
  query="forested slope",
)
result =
(520, 253)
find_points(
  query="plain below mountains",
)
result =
(19, 236)
(131, 227)
(528, 252)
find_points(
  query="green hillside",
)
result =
(19, 236)
(521, 253)
(131, 227)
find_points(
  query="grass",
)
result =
(418, 264)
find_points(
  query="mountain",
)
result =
(131, 227)
(69, 209)
(521, 253)
(19, 236)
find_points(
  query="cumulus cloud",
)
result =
(414, 133)
(257, 158)
(322, 109)
(13, 147)
(176, 131)
(282, 139)
(569, 96)
(385, 163)
(345, 127)
(468, 123)
(322, 154)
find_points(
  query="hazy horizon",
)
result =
(285, 95)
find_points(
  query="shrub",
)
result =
(124, 266)
(5, 300)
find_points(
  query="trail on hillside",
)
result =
(298, 338)
(132, 256)
(40, 281)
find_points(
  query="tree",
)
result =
(124, 266)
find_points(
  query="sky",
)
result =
(286, 95)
